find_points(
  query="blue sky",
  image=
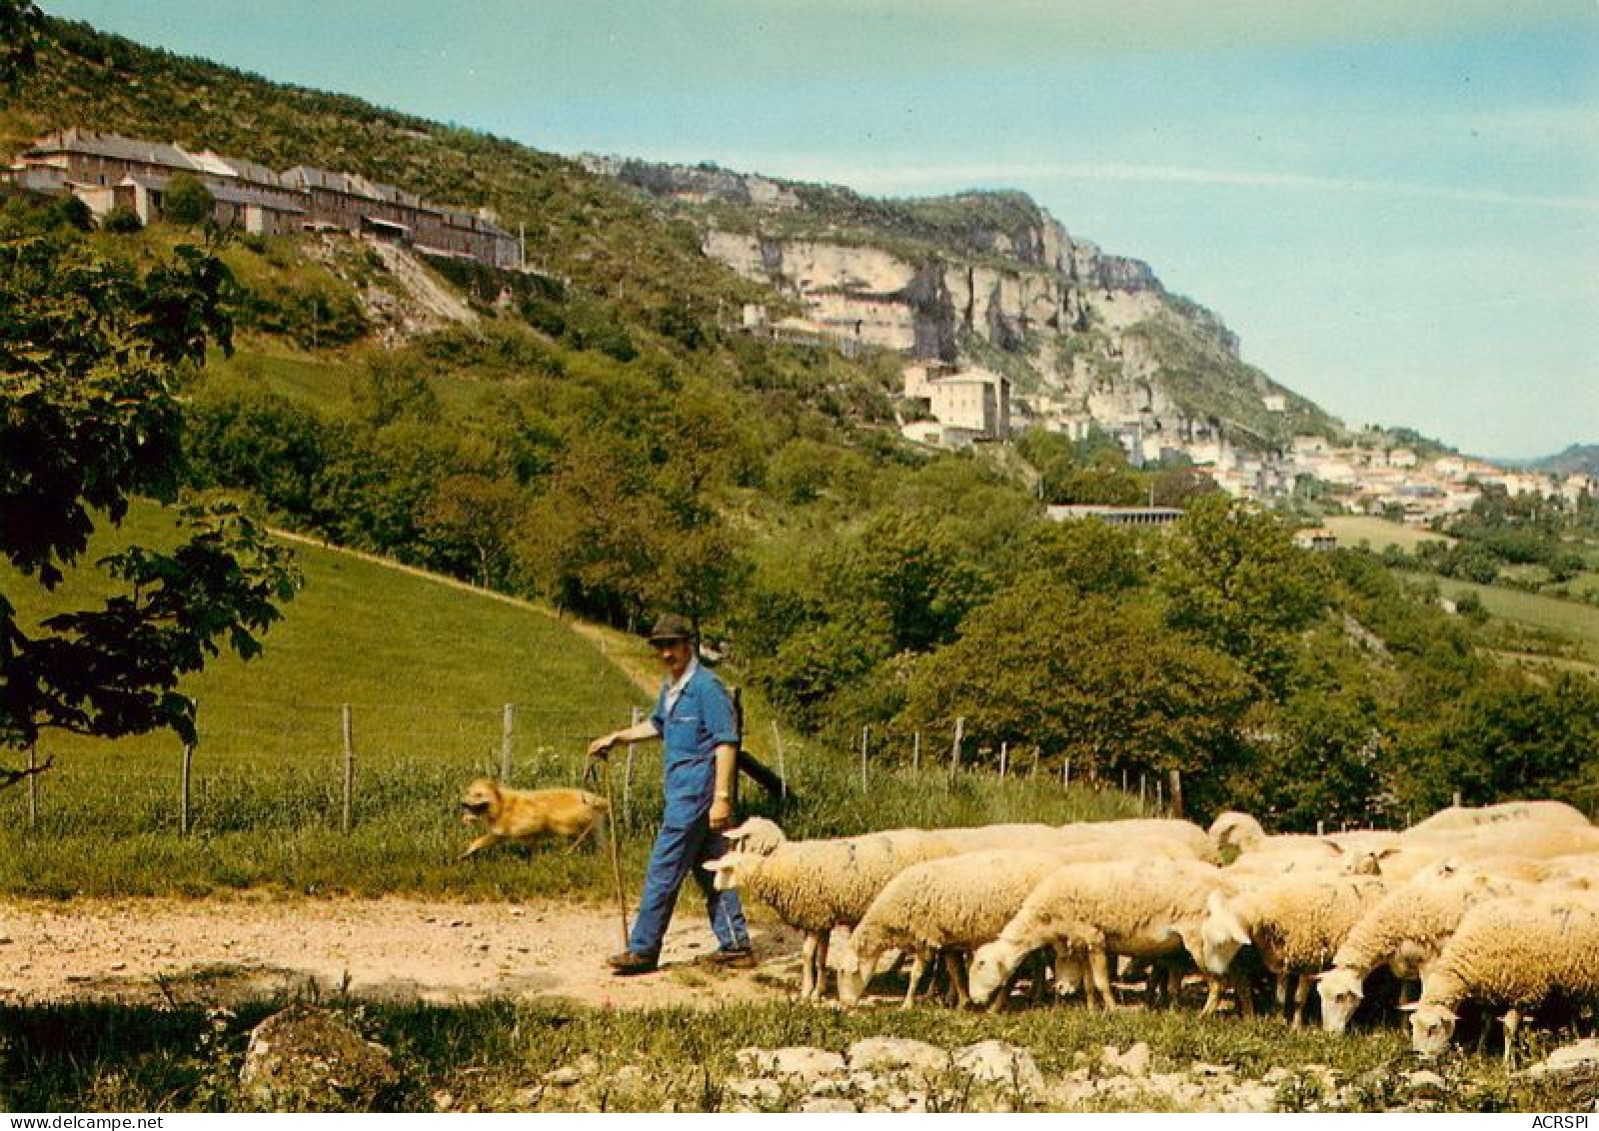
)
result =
(1394, 204)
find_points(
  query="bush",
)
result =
(122, 221)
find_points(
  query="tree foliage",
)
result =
(90, 359)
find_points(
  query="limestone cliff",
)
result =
(990, 278)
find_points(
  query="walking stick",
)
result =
(616, 857)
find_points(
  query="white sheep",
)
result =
(1515, 952)
(1405, 930)
(1244, 833)
(816, 885)
(1297, 924)
(948, 905)
(1144, 909)
(1534, 839)
(1460, 818)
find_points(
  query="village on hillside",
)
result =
(967, 405)
(110, 173)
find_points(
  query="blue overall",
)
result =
(699, 722)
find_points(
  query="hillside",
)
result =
(991, 279)
(673, 253)
(1578, 459)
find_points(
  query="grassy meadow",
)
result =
(427, 669)
(1379, 533)
(1549, 617)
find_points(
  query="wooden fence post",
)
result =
(866, 736)
(1066, 774)
(1457, 799)
(916, 753)
(955, 750)
(507, 726)
(1177, 794)
(1004, 760)
(347, 818)
(183, 807)
(1143, 789)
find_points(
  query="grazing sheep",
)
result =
(1297, 924)
(816, 885)
(1533, 839)
(1517, 952)
(1244, 833)
(1460, 818)
(949, 905)
(1405, 930)
(1144, 909)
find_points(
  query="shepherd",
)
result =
(695, 720)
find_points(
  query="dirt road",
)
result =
(147, 950)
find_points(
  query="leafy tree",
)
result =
(473, 517)
(187, 201)
(90, 361)
(21, 27)
(1095, 680)
(1232, 576)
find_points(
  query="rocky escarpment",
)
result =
(989, 279)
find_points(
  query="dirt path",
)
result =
(149, 950)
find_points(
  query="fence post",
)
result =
(1004, 760)
(866, 735)
(1457, 799)
(33, 785)
(349, 768)
(1033, 773)
(1177, 794)
(955, 750)
(916, 753)
(1066, 774)
(183, 807)
(507, 726)
(1143, 789)
(1321, 828)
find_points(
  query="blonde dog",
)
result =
(524, 814)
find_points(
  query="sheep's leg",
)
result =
(1099, 967)
(1301, 999)
(1212, 995)
(822, 939)
(1409, 991)
(1285, 983)
(956, 969)
(918, 967)
(808, 967)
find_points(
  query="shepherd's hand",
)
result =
(721, 815)
(600, 747)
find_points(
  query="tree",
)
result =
(1094, 679)
(187, 202)
(90, 359)
(1232, 576)
(21, 26)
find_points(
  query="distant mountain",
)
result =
(1578, 459)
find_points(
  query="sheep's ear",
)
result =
(722, 864)
(1337, 849)
(1319, 977)
(1411, 1008)
(1387, 852)
(1215, 903)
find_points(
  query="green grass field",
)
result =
(427, 670)
(1569, 620)
(1379, 533)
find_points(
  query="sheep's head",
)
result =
(1236, 830)
(1341, 992)
(756, 835)
(1431, 1028)
(992, 965)
(1363, 861)
(1222, 936)
(730, 871)
(853, 973)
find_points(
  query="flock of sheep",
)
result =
(1497, 906)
